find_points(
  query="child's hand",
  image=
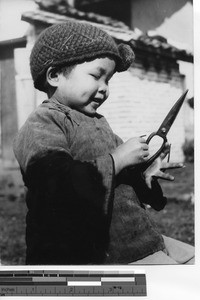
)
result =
(158, 167)
(131, 153)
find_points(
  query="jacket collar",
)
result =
(77, 116)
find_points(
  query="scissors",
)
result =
(164, 128)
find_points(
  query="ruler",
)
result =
(72, 283)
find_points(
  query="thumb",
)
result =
(148, 181)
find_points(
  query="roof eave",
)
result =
(128, 37)
(15, 43)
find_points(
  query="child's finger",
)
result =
(165, 176)
(142, 140)
(163, 155)
(145, 147)
(167, 165)
(145, 154)
(148, 181)
(165, 151)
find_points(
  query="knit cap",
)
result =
(71, 43)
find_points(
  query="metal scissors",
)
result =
(164, 128)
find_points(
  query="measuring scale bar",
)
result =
(75, 283)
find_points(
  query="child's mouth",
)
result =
(98, 101)
(95, 104)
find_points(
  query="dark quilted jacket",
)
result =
(79, 212)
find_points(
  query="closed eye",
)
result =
(96, 76)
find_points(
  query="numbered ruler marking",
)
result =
(72, 283)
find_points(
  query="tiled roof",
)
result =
(14, 43)
(83, 2)
(154, 44)
(62, 8)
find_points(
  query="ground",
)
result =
(175, 220)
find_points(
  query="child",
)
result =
(86, 193)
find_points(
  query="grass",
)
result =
(182, 188)
(175, 220)
(12, 218)
(12, 231)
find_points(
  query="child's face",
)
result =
(85, 88)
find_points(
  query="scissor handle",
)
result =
(153, 157)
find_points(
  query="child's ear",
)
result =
(52, 76)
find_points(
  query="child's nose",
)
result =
(103, 88)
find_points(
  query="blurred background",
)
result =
(161, 33)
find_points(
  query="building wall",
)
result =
(25, 93)
(8, 118)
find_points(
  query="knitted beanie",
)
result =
(71, 43)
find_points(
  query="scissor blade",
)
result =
(171, 116)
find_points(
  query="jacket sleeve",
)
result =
(153, 197)
(43, 152)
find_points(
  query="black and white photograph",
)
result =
(97, 133)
